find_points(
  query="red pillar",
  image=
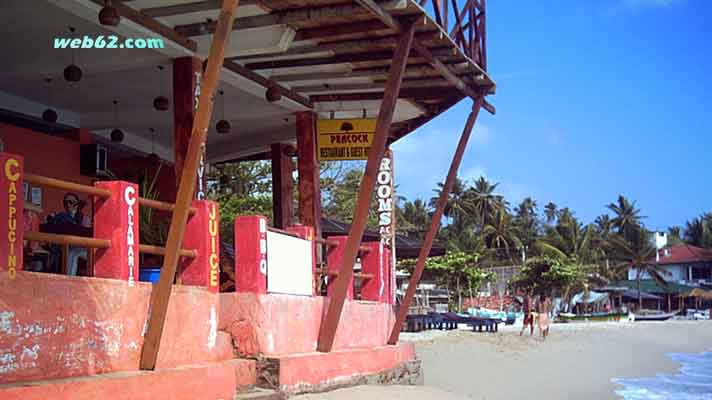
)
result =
(307, 233)
(186, 77)
(375, 263)
(251, 254)
(308, 165)
(202, 234)
(116, 219)
(282, 186)
(11, 213)
(333, 262)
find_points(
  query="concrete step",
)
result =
(207, 381)
(260, 394)
(318, 372)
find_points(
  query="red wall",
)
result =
(54, 326)
(49, 156)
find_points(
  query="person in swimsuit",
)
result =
(527, 309)
(544, 307)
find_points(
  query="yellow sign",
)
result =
(345, 139)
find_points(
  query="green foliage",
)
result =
(543, 275)
(152, 230)
(232, 206)
(698, 231)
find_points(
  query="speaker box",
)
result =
(93, 160)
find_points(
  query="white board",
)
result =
(289, 264)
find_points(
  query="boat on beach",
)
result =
(591, 317)
(652, 316)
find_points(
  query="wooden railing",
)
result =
(467, 28)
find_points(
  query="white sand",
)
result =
(578, 361)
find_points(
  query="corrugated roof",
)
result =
(684, 254)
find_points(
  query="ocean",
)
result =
(692, 382)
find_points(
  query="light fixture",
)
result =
(117, 135)
(161, 103)
(49, 115)
(72, 73)
(109, 15)
(153, 157)
(223, 126)
(274, 93)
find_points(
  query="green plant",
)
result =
(152, 230)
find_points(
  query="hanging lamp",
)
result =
(49, 115)
(153, 157)
(161, 103)
(109, 15)
(72, 73)
(117, 135)
(223, 126)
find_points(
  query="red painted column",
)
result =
(375, 263)
(202, 234)
(307, 233)
(333, 261)
(387, 256)
(187, 72)
(308, 167)
(11, 211)
(251, 254)
(116, 219)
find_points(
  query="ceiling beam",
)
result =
(430, 93)
(357, 45)
(289, 17)
(186, 8)
(422, 83)
(341, 59)
(342, 30)
(152, 25)
(267, 83)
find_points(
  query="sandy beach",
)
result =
(577, 361)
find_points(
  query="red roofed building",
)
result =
(684, 264)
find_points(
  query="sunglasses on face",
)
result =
(71, 202)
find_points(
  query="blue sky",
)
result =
(594, 99)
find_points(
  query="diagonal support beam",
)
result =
(435, 222)
(368, 184)
(162, 290)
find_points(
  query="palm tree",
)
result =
(569, 241)
(626, 214)
(698, 231)
(456, 206)
(501, 233)
(414, 218)
(603, 224)
(550, 210)
(484, 201)
(635, 250)
(526, 220)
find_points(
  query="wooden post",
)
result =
(186, 72)
(435, 222)
(368, 183)
(308, 166)
(162, 290)
(282, 186)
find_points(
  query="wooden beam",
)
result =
(345, 58)
(343, 46)
(282, 186)
(294, 17)
(431, 93)
(330, 323)
(308, 167)
(186, 8)
(339, 31)
(152, 25)
(267, 83)
(420, 83)
(162, 289)
(184, 83)
(377, 72)
(434, 223)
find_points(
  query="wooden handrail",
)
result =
(68, 186)
(364, 249)
(356, 275)
(160, 205)
(71, 240)
(161, 251)
(327, 242)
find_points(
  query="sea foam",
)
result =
(694, 381)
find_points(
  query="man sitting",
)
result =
(72, 214)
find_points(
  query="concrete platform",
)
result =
(208, 381)
(317, 372)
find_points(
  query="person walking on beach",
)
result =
(528, 310)
(544, 308)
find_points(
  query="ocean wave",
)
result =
(693, 382)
